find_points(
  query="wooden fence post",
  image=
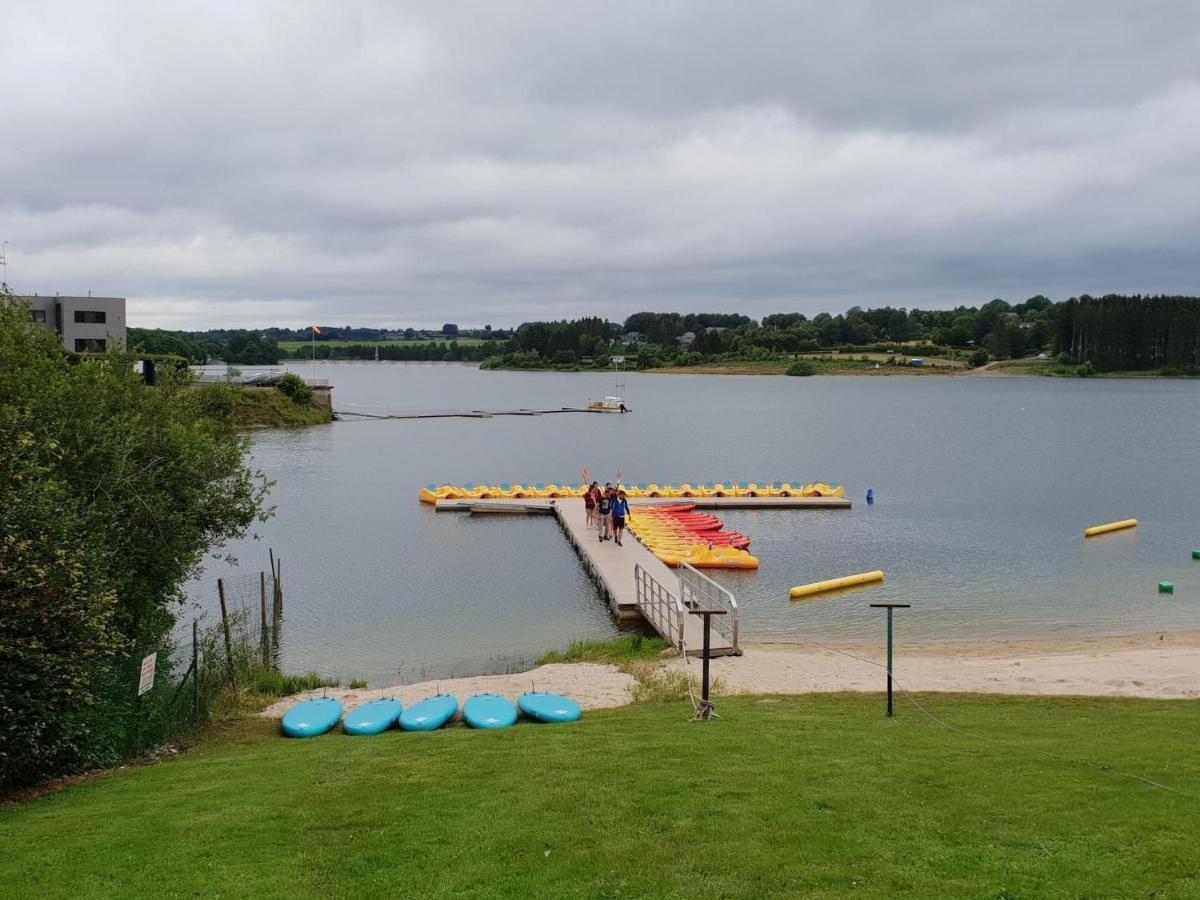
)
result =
(262, 602)
(196, 670)
(225, 626)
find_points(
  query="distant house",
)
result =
(630, 338)
(85, 324)
(687, 339)
(715, 329)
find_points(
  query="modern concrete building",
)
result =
(86, 324)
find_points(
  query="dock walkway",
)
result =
(613, 567)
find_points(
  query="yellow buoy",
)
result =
(1111, 526)
(819, 587)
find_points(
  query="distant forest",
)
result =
(1110, 333)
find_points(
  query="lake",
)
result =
(983, 487)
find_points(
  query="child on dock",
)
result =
(620, 511)
(604, 511)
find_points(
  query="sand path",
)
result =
(1159, 666)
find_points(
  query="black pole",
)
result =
(706, 711)
(890, 607)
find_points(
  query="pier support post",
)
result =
(890, 607)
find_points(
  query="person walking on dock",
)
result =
(620, 512)
(589, 503)
(604, 511)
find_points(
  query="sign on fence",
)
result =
(146, 681)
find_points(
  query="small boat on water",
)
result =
(608, 405)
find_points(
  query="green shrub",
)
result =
(801, 367)
(1087, 370)
(978, 358)
(359, 684)
(293, 386)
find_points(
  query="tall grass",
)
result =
(621, 651)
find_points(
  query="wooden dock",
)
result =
(361, 412)
(534, 504)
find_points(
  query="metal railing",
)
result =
(698, 591)
(659, 607)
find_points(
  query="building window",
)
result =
(88, 345)
(38, 315)
(89, 317)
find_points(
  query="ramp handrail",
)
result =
(698, 591)
(659, 607)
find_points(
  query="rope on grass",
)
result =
(1100, 767)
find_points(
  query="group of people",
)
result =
(607, 509)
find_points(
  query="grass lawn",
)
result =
(815, 796)
(822, 363)
(269, 408)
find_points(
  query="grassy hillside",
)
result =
(815, 796)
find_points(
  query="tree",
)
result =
(450, 329)
(111, 493)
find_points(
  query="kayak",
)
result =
(489, 711)
(373, 717)
(429, 715)
(543, 707)
(311, 717)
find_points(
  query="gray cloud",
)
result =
(282, 163)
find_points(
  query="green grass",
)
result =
(814, 796)
(822, 363)
(269, 408)
(620, 651)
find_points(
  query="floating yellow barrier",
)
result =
(819, 587)
(1111, 526)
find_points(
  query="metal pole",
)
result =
(195, 670)
(891, 711)
(890, 607)
(707, 632)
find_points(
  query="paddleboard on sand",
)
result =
(489, 711)
(549, 707)
(373, 717)
(429, 715)
(311, 717)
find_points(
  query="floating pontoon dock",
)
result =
(378, 413)
(633, 581)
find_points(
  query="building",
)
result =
(687, 339)
(86, 324)
(630, 338)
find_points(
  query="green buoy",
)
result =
(1166, 587)
(1196, 554)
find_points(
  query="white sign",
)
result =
(617, 360)
(146, 681)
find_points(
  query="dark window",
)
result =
(39, 315)
(87, 345)
(89, 317)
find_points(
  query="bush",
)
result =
(801, 367)
(1087, 370)
(293, 386)
(978, 358)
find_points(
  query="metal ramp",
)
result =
(669, 614)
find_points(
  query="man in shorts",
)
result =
(620, 512)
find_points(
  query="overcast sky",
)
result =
(248, 164)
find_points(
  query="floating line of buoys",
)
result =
(833, 584)
(1111, 526)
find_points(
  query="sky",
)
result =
(249, 164)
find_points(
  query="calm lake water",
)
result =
(982, 488)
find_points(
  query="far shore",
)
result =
(1162, 666)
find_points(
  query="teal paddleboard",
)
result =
(311, 717)
(429, 715)
(373, 717)
(489, 711)
(549, 707)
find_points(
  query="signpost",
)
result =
(889, 607)
(146, 679)
(706, 710)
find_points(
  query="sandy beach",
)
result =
(1157, 666)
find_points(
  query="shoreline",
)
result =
(1159, 665)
